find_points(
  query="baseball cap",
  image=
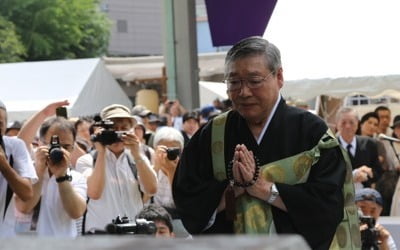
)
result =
(396, 121)
(116, 111)
(14, 125)
(369, 194)
(153, 118)
(140, 110)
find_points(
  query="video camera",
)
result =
(107, 136)
(56, 155)
(369, 236)
(122, 225)
(173, 153)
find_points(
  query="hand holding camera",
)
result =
(131, 141)
(166, 159)
(54, 157)
(58, 157)
(105, 133)
(373, 236)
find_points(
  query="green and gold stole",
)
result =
(254, 216)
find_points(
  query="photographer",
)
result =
(117, 173)
(59, 195)
(16, 175)
(168, 144)
(370, 201)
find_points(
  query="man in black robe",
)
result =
(263, 126)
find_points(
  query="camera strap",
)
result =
(129, 158)
(9, 192)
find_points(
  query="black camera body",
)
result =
(107, 136)
(369, 236)
(122, 225)
(56, 155)
(173, 153)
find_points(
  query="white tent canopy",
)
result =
(341, 87)
(85, 83)
(209, 91)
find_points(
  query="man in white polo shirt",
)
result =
(60, 194)
(118, 175)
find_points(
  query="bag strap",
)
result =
(9, 192)
(129, 158)
(84, 218)
(35, 215)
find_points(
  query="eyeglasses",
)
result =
(252, 82)
(68, 147)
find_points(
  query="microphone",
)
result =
(388, 138)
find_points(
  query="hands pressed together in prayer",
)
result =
(244, 168)
(245, 173)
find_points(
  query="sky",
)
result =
(336, 38)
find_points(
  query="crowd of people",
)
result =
(251, 164)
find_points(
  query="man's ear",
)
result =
(172, 235)
(279, 75)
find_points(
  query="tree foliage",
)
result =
(58, 29)
(11, 47)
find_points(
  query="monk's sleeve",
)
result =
(195, 190)
(315, 208)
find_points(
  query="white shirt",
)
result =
(84, 163)
(391, 243)
(163, 197)
(24, 167)
(259, 139)
(53, 219)
(121, 195)
(353, 144)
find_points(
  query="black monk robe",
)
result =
(315, 208)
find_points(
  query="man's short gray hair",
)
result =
(253, 46)
(345, 110)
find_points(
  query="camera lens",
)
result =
(173, 153)
(56, 155)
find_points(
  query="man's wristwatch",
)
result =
(66, 177)
(274, 193)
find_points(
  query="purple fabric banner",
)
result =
(233, 20)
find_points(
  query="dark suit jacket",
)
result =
(367, 154)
